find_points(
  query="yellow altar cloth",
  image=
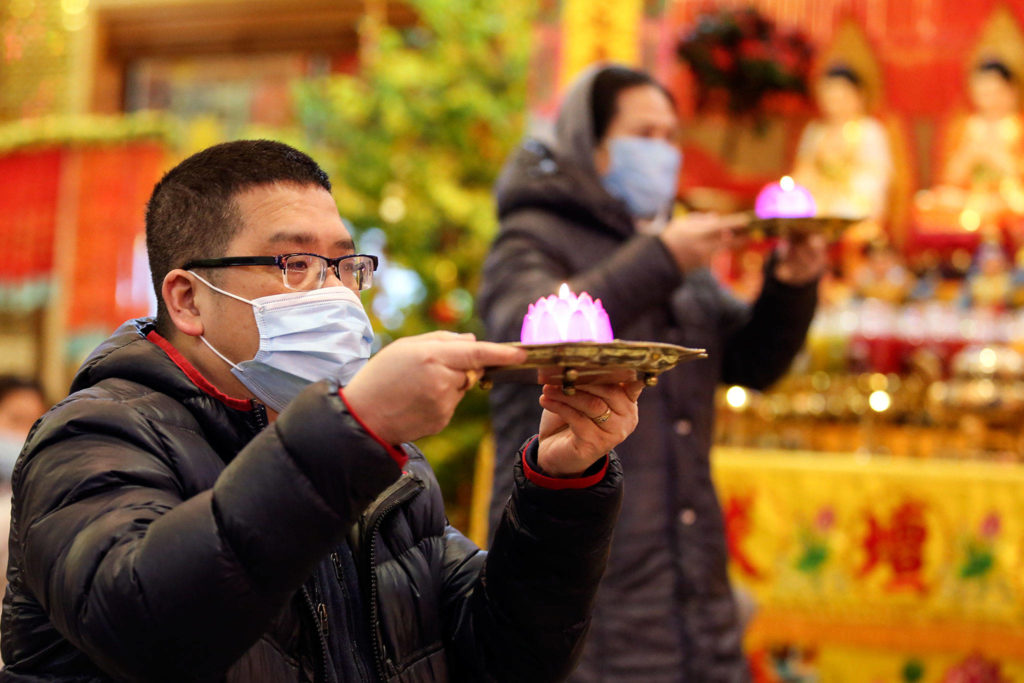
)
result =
(874, 560)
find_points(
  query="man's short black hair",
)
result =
(604, 94)
(192, 212)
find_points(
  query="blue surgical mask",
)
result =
(644, 173)
(304, 337)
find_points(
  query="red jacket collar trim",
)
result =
(196, 377)
(561, 483)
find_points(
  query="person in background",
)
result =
(592, 209)
(209, 504)
(21, 404)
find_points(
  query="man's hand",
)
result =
(801, 259)
(411, 387)
(694, 238)
(577, 430)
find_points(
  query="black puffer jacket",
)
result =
(164, 533)
(665, 612)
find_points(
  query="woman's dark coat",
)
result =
(665, 611)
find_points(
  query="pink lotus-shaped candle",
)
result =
(566, 318)
(784, 199)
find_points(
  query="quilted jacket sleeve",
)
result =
(153, 584)
(762, 340)
(523, 617)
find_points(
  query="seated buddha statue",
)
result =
(843, 157)
(990, 284)
(986, 158)
(882, 275)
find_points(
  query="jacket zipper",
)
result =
(401, 491)
(316, 607)
(319, 632)
(321, 608)
(352, 625)
(261, 416)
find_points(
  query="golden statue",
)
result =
(986, 159)
(981, 178)
(844, 158)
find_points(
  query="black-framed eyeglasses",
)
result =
(304, 271)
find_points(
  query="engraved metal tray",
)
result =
(571, 363)
(831, 227)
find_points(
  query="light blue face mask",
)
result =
(304, 337)
(644, 173)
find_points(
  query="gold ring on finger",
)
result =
(471, 377)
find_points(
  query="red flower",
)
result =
(753, 49)
(789, 60)
(825, 519)
(990, 526)
(748, 55)
(722, 58)
(975, 669)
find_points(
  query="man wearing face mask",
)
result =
(228, 493)
(592, 209)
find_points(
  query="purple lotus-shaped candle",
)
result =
(566, 318)
(784, 199)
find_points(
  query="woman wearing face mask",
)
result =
(593, 209)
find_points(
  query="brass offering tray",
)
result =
(571, 363)
(831, 227)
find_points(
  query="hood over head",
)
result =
(560, 175)
(574, 129)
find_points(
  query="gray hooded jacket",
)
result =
(665, 611)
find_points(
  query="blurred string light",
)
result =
(392, 209)
(879, 401)
(987, 358)
(736, 397)
(970, 220)
(74, 14)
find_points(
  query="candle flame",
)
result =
(564, 292)
(784, 199)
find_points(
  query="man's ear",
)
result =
(179, 293)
